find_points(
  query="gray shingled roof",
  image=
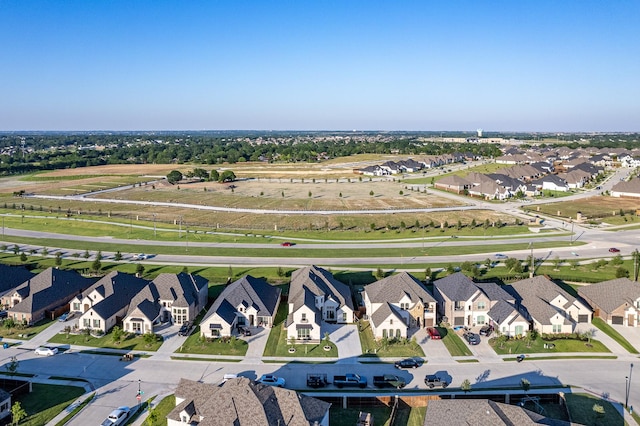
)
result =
(609, 295)
(241, 401)
(456, 286)
(13, 276)
(534, 295)
(147, 301)
(118, 289)
(319, 282)
(383, 312)
(465, 412)
(395, 287)
(181, 288)
(249, 291)
(50, 285)
(494, 291)
(501, 311)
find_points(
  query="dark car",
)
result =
(614, 250)
(433, 333)
(409, 363)
(184, 329)
(244, 331)
(471, 338)
(486, 330)
(287, 244)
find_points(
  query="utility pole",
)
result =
(154, 225)
(636, 261)
(531, 268)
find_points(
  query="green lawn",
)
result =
(581, 409)
(195, 345)
(47, 401)
(25, 333)
(454, 344)
(349, 416)
(376, 348)
(277, 344)
(163, 408)
(518, 346)
(611, 332)
(128, 343)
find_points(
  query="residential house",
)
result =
(459, 412)
(49, 290)
(249, 301)
(396, 304)
(551, 183)
(12, 277)
(548, 307)
(464, 302)
(453, 183)
(392, 167)
(106, 302)
(505, 318)
(615, 301)
(374, 171)
(175, 298)
(315, 298)
(629, 188)
(240, 401)
(410, 165)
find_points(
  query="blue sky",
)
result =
(556, 66)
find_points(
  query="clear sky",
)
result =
(513, 65)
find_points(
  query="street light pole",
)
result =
(571, 242)
(154, 225)
(628, 386)
(532, 262)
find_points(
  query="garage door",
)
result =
(617, 320)
(428, 322)
(458, 321)
(583, 318)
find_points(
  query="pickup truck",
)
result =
(317, 380)
(350, 380)
(389, 381)
(431, 380)
(117, 417)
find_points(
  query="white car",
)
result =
(270, 379)
(117, 417)
(43, 350)
(501, 256)
(140, 256)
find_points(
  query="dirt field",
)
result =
(598, 207)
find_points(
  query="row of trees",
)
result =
(176, 176)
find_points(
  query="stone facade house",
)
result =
(614, 301)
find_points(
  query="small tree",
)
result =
(139, 269)
(117, 256)
(149, 339)
(371, 193)
(622, 273)
(174, 177)
(526, 385)
(45, 251)
(86, 254)
(573, 263)
(427, 274)
(556, 263)
(17, 413)
(466, 386)
(16, 249)
(12, 366)
(116, 334)
(58, 259)
(23, 257)
(379, 273)
(280, 271)
(96, 266)
(617, 260)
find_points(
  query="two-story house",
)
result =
(249, 302)
(397, 303)
(105, 303)
(548, 307)
(315, 298)
(464, 302)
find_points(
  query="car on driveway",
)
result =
(614, 250)
(486, 330)
(63, 317)
(270, 379)
(244, 331)
(409, 363)
(471, 338)
(46, 351)
(184, 329)
(433, 333)
(501, 256)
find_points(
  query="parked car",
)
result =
(409, 363)
(350, 380)
(3, 314)
(244, 331)
(614, 250)
(46, 351)
(486, 330)
(63, 317)
(287, 244)
(431, 380)
(471, 338)
(501, 256)
(433, 333)
(389, 381)
(270, 379)
(117, 417)
(184, 329)
(317, 380)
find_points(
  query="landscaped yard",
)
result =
(25, 333)
(454, 344)
(128, 342)
(581, 408)
(560, 345)
(162, 409)
(196, 345)
(388, 348)
(47, 401)
(277, 344)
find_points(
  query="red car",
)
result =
(614, 250)
(433, 333)
(287, 244)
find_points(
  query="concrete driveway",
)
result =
(345, 337)
(257, 341)
(632, 334)
(435, 351)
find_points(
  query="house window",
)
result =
(136, 327)
(519, 330)
(557, 328)
(482, 306)
(391, 321)
(480, 319)
(96, 323)
(331, 314)
(458, 306)
(304, 334)
(344, 317)
(86, 323)
(384, 333)
(4, 407)
(215, 333)
(398, 333)
(304, 317)
(76, 306)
